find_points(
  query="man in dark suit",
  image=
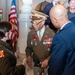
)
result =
(46, 11)
(38, 44)
(71, 11)
(62, 61)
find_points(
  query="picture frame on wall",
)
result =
(1, 14)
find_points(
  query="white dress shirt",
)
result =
(64, 25)
(41, 32)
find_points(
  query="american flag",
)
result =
(13, 20)
(0, 14)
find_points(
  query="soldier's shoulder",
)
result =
(32, 32)
(2, 47)
(2, 51)
(49, 29)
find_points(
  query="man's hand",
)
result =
(29, 61)
(44, 63)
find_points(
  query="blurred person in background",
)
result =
(46, 10)
(71, 10)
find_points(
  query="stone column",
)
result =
(24, 24)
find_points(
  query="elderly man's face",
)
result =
(38, 24)
(72, 4)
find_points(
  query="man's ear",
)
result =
(55, 19)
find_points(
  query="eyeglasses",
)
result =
(37, 23)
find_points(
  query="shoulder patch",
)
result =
(2, 54)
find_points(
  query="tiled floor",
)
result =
(29, 71)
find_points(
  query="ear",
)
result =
(55, 19)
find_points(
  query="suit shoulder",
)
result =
(48, 6)
(2, 47)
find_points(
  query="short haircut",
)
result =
(4, 27)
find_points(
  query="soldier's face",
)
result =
(38, 24)
(9, 35)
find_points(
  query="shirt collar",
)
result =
(43, 28)
(41, 31)
(64, 25)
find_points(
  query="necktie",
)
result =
(39, 35)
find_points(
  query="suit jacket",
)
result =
(73, 19)
(70, 15)
(46, 11)
(62, 61)
(40, 50)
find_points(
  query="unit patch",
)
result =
(2, 54)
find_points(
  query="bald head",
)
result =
(58, 13)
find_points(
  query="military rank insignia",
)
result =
(33, 41)
(34, 37)
(2, 54)
(47, 42)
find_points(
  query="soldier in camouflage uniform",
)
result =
(7, 58)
